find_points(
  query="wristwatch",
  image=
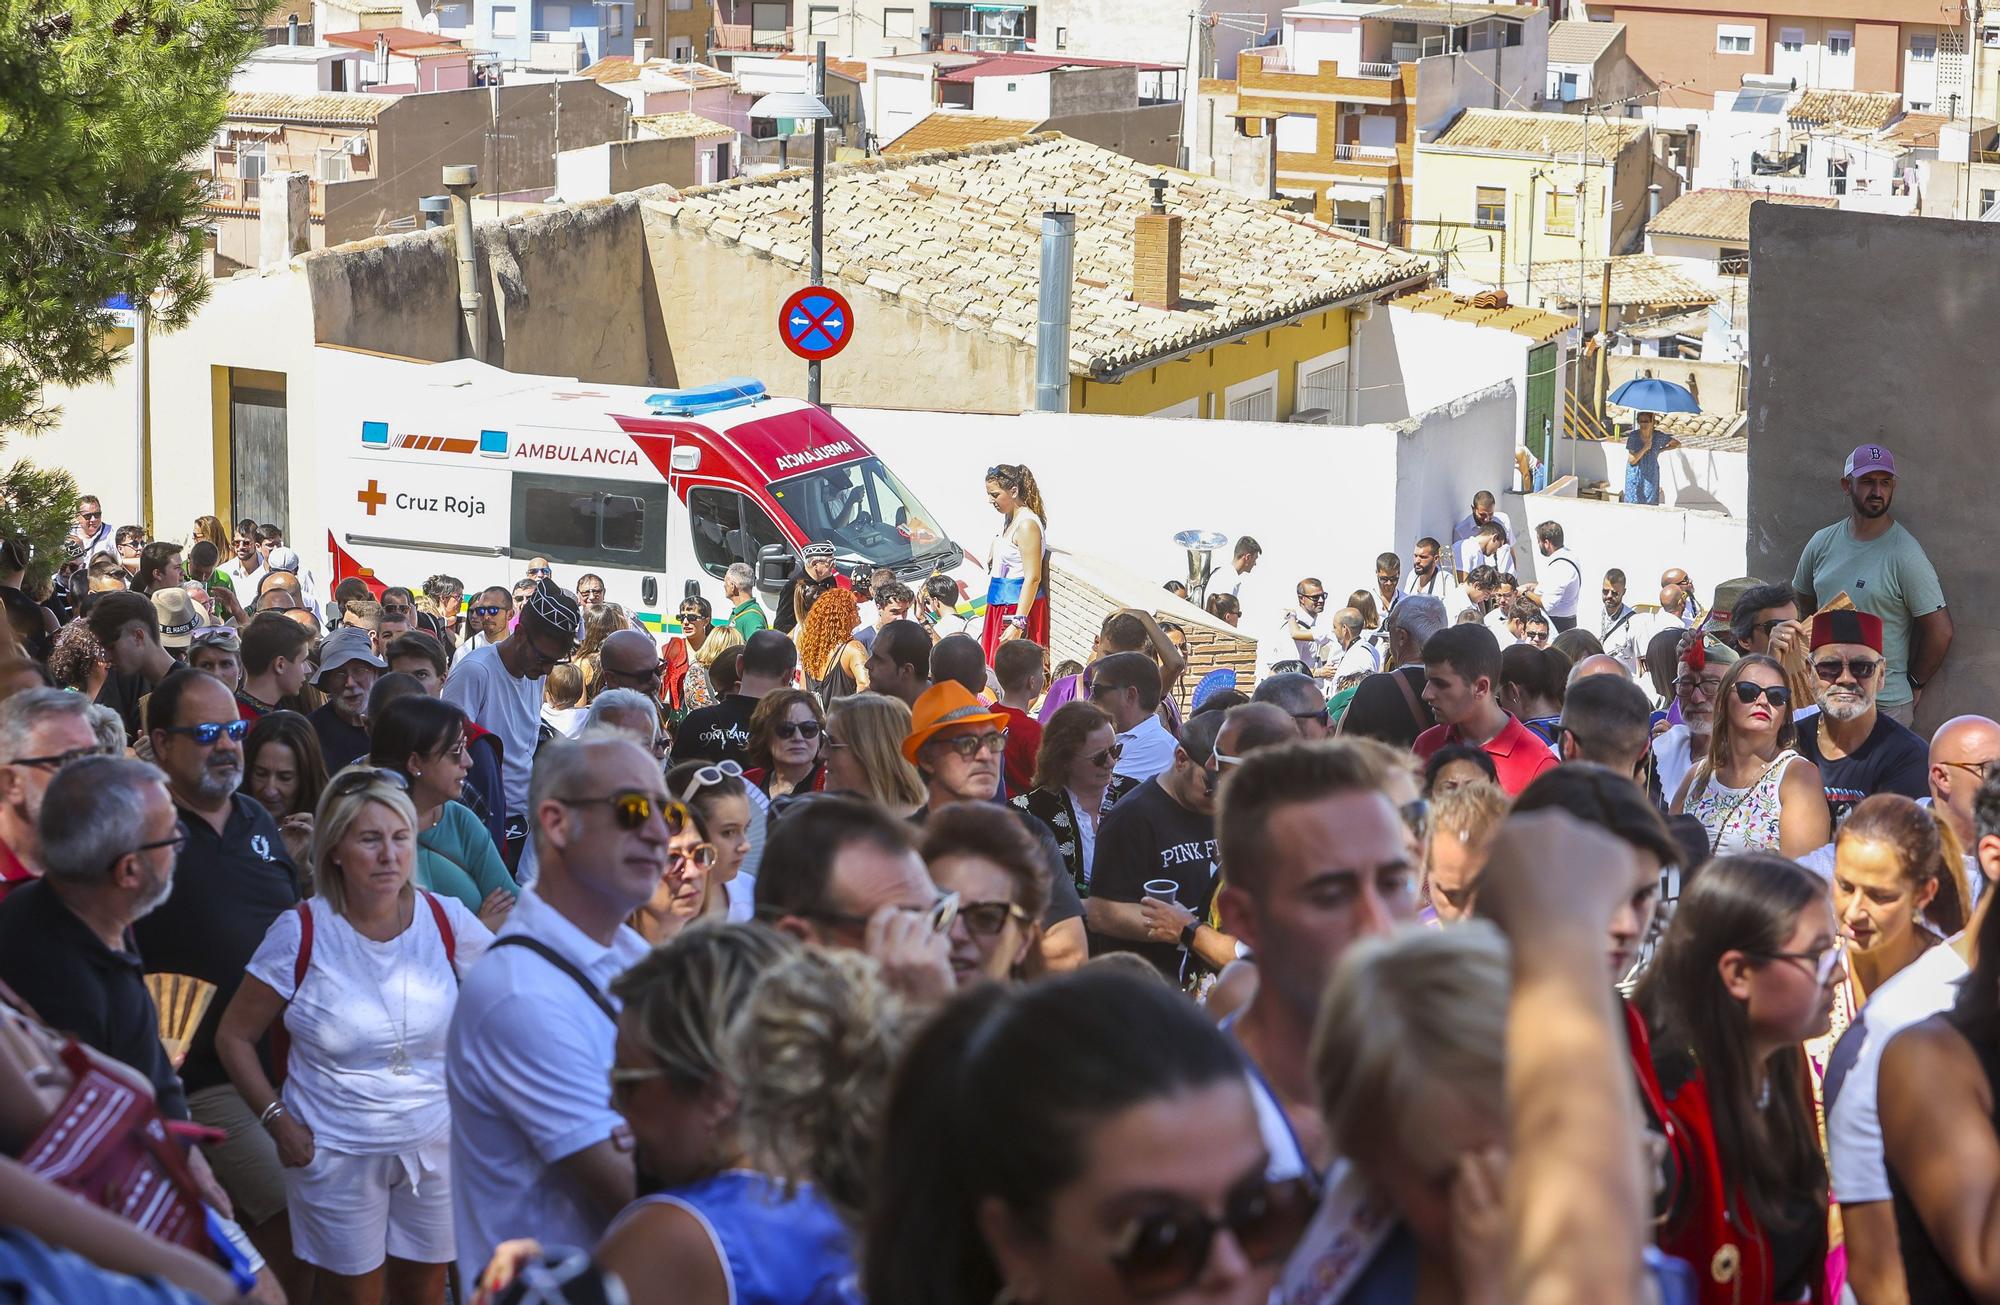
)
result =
(1915, 683)
(1187, 935)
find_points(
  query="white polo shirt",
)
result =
(1562, 584)
(527, 1065)
(1148, 750)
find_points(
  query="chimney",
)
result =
(459, 179)
(1052, 312)
(642, 50)
(1156, 252)
(1652, 201)
(284, 208)
(292, 30)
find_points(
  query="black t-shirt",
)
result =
(123, 694)
(1379, 709)
(1893, 759)
(228, 888)
(718, 733)
(340, 743)
(83, 988)
(1150, 836)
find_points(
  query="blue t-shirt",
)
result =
(775, 1250)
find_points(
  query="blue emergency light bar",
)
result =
(736, 392)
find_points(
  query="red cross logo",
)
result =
(372, 497)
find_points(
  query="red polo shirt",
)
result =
(12, 873)
(1517, 753)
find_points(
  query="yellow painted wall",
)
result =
(1207, 375)
(1447, 190)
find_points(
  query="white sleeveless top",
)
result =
(1006, 560)
(1742, 819)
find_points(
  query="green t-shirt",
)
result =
(748, 618)
(1887, 577)
(456, 857)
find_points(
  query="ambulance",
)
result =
(463, 469)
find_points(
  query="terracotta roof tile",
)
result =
(945, 131)
(339, 107)
(612, 68)
(402, 40)
(1722, 214)
(1537, 324)
(1575, 42)
(1509, 131)
(1869, 111)
(682, 126)
(1636, 280)
(955, 234)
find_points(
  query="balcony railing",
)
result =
(1380, 70)
(744, 36)
(1365, 153)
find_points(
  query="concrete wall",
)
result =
(1151, 463)
(1402, 368)
(1147, 135)
(618, 166)
(1641, 541)
(509, 131)
(1819, 385)
(1506, 77)
(1247, 163)
(1708, 480)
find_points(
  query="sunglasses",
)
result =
(395, 609)
(1535, 636)
(1861, 668)
(968, 746)
(940, 915)
(488, 611)
(1776, 694)
(91, 516)
(206, 733)
(1765, 627)
(1108, 756)
(797, 729)
(631, 810)
(709, 776)
(540, 570)
(1416, 817)
(61, 759)
(687, 617)
(1165, 1251)
(987, 919)
(1313, 598)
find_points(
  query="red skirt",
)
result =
(995, 624)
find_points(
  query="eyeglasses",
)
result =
(987, 919)
(1861, 668)
(968, 746)
(1776, 694)
(61, 759)
(1108, 757)
(1708, 686)
(797, 729)
(395, 609)
(1166, 1250)
(1978, 768)
(1416, 817)
(709, 776)
(940, 915)
(701, 856)
(1319, 715)
(206, 733)
(631, 809)
(488, 611)
(589, 594)
(1765, 627)
(1318, 600)
(1821, 963)
(177, 840)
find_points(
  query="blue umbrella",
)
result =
(1650, 394)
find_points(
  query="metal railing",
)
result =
(748, 36)
(1381, 70)
(1365, 153)
(555, 38)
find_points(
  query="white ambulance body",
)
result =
(467, 470)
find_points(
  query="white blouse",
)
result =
(368, 1024)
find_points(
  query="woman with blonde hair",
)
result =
(687, 891)
(835, 663)
(1017, 597)
(1754, 792)
(698, 689)
(365, 976)
(1898, 888)
(864, 752)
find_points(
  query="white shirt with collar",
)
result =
(1442, 585)
(1313, 651)
(526, 1064)
(1148, 750)
(244, 577)
(1563, 583)
(1623, 641)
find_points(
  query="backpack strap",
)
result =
(304, 960)
(444, 929)
(563, 963)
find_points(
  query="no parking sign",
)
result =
(815, 323)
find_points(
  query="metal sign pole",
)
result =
(819, 201)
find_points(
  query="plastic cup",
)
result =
(1163, 890)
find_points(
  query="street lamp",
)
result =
(810, 107)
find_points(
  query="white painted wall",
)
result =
(1641, 541)
(1026, 97)
(1117, 487)
(1712, 480)
(297, 70)
(899, 97)
(1314, 40)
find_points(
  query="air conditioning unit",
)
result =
(357, 145)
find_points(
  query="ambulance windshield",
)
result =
(864, 511)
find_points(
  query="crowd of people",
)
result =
(415, 944)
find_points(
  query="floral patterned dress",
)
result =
(1740, 819)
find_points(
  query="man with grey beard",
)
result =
(233, 880)
(1859, 749)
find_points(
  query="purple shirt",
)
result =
(1061, 692)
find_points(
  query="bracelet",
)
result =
(271, 1112)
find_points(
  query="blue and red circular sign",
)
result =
(816, 322)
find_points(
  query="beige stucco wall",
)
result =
(899, 358)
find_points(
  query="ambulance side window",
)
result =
(572, 519)
(729, 528)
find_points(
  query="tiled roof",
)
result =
(1510, 131)
(1919, 131)
(1722, 214)
(699, 76)
(1451, 13)
(1721, 432)
(854, 70)
(682, 126)
(1575, 42)
(955, 235)
(1869, 111)
(950, 131)
(612, 68)
(1537, 324)
(343, 108)
(402, 40)
(1636, 280)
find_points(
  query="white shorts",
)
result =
(348, 1212)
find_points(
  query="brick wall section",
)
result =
(1156, 260)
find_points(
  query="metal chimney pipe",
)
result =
(1052, 316)
(1652, 201)
(459, 179)
(435, 208)
(292, 30)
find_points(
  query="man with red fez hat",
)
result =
(1860, 750)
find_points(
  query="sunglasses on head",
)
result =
(1776, 694)
(206, 733)
(709, 776)
(632, 809)
(797, 729)
(356, 778)
(1861, 668)
(1165, 1251)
